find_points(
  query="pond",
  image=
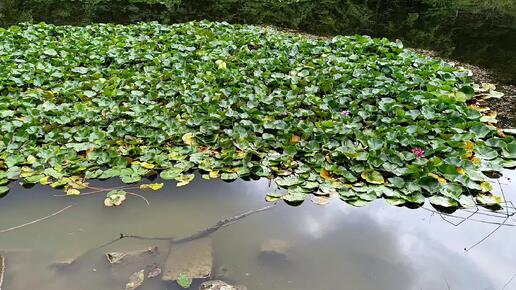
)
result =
(328, 247)
(310, 246)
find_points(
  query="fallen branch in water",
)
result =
(198, 235)
(2, 270)
(203, 233)
(36, 221)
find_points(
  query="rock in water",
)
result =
(67, 257)
(135, 280)
(193, 259)
(120, 256)
(220, 285)
(153, 271)
(275, 248)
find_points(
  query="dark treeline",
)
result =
(481, 32)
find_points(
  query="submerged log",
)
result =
(193, 259)
(199, 235)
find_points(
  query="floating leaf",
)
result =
(214, 174)
(184, 179)
(72, 191)
(509, 151)
(294, 195)
(184, 281)
(486, 186)
(467, 201)
(288, 181)
(373, 176)
(171, 173)
(357, 202)
(443, 201)
(130, 178)
(272, 197)
(152, 186)
(115, 198)
(4, 190)
(395, 201)
(489, 199)
(147, 165)
(320, 200)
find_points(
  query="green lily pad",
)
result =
(184, 281)
(373, 177)
(4, 190)
(443, 201)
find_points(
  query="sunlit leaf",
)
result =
(373, 176)
(152, 186)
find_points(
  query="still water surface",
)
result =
(332, 247)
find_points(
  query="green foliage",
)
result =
(184, 281)
(480, 32)
(355, 116)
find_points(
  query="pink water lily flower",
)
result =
(419, 152)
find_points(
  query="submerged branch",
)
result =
(36, 221)
(203, 233)
(198, 235)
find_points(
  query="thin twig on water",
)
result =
(509, 282)
(498, 227)
(36, 221)
(471, 219)
(99, 190)
(140, 196)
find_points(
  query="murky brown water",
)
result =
(332, 247)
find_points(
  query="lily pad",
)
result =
(373, 176)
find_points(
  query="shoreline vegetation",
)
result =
(358, 117)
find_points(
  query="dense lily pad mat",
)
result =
(356, 116)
